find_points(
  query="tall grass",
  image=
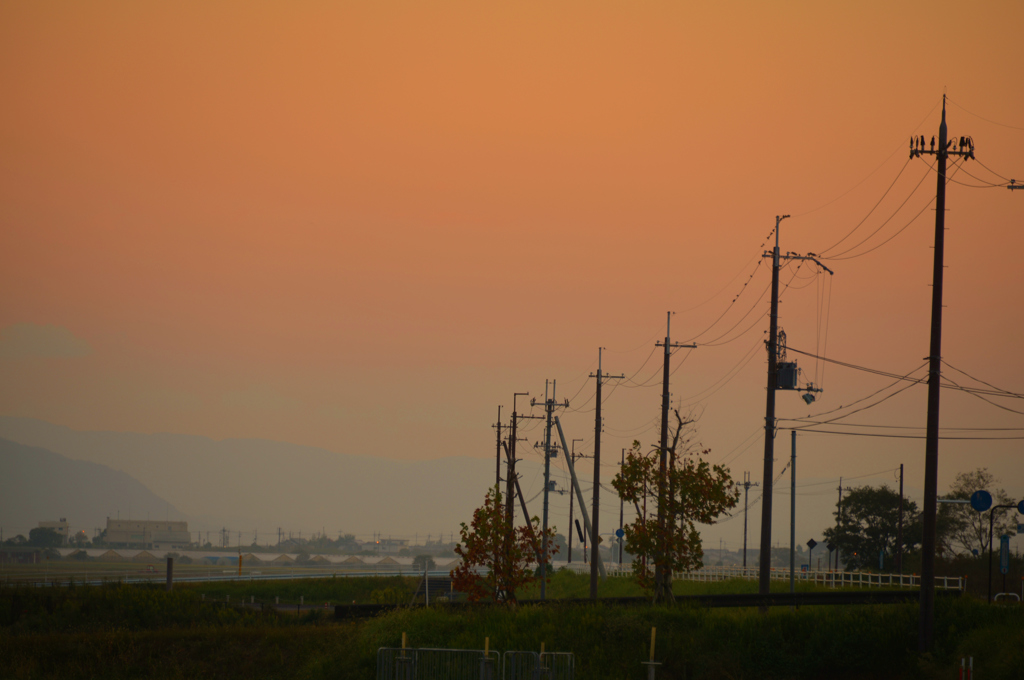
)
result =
(139, 631)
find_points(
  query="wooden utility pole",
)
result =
(746, 496)
(660, 575)
(549, 408)
(621, 535)
(595, 537)
(497, 469)
(899, 531)
(765, 558)
(931, 449)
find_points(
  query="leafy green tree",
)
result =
(960, 528)
(45, 537)
(867, 523)
(497, 557)
(692, 492)
(347, 543)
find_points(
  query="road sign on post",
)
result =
(981, 500)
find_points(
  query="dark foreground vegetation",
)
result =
(143, 632)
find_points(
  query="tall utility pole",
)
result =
(899, 531)
(839, 519)
(511, 482)
(746, 495)
(765, 561)
(497, 469)
(595, 537)
(931, 449)
(662, 548)
(792, 516)
(765, 558)
(549, 409)
(620, 536)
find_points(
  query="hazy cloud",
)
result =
(29, 340)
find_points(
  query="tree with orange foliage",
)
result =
(497, 558)
(693, 492)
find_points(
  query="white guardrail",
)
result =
(856, 579)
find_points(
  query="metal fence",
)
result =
(437, 664)
(836, 579)
(472, 664)
(534, 666)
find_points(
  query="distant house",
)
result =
(251, 559)
(353, 560)
(319, 560)
(283, 560)
(388, 560)
(392, 545)
(111, 556)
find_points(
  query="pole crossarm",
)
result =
(794, 256)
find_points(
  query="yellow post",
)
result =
(487, 645)
(403, 640)
(653, 631)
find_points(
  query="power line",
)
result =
(895, 151)
(987, 120)
(865, 218)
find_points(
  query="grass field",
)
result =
(117, 631)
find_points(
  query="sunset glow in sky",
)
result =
(364, 225)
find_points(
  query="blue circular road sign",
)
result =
(981, 500)
(1020, 507)
(620, 533)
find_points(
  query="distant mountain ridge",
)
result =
(37, 484)
(249, 484)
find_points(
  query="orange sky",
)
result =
(364, 225)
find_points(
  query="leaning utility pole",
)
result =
(579, 494)
(572, 501)
(595, 537)
(662, 548)
(931, 448)
(746, 496)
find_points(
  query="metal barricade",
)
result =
(395, 663)
(534, 666)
